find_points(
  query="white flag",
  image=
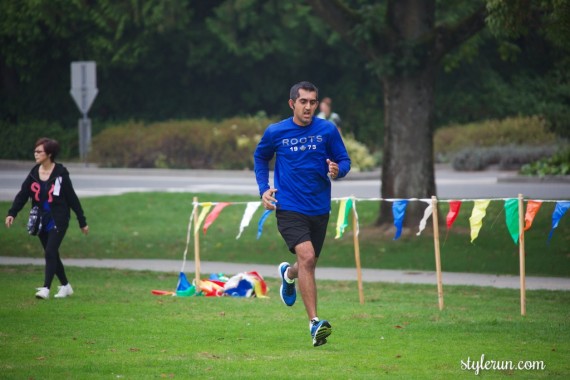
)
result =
(247, 215)
(427, 213)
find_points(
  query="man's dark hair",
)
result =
(307, 86)
(51, 147)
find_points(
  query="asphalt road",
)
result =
(92, 181)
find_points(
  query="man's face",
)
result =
(304, 107)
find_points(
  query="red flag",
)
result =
(532, 208)
(454, 207)
(214, 215)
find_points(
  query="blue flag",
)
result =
(559, 211)
(261, 221)
(399, 211)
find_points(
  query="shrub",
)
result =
(514, 131)
(559, 164)
(507, 158)
(17, 140)
(198, 144)
(361, 159)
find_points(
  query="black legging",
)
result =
(54, 267)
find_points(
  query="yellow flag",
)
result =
(340, 219)
(477, 215)
(205, 209)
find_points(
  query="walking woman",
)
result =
(49, 187)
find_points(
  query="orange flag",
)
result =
(214, 215)
(532, 208)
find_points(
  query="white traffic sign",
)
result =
(83, 84)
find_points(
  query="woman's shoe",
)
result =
(64, 291)
(43, 293)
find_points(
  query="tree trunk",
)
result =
(408, 166)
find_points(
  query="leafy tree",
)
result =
(39, 39)
(404, 43)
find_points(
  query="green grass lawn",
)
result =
(113, 328)
(153, 225)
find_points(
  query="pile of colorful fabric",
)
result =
(246, 284)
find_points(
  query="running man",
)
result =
(309, 153)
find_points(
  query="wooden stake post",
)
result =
(357, 253)
(437, 252)
(196, 247)
(522, 255)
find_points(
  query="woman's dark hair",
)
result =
(51, 147)
(307, 86)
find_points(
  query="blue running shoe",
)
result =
(287, 290)
(320, 330)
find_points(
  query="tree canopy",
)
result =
(168, 59)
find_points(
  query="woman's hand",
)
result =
(9, 221)
(85, 230)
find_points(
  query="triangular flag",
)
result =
(183, 283)
(340, 217)
(512, 218)
(559, 211)
(214, 215)
(342, 221)
(427, 213)
(454, 207)
(250, 209)
(532, 208)
(205, 209)
(477, 215)
(399, 212)
(261, 221)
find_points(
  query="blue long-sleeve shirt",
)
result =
(301, 167)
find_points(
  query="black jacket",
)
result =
(60, 202)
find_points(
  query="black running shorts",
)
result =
(298, 228)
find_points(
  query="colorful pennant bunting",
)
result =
(206, 206)
(477, 215)
(512, 218)
(261, 221)
(214, 215)
(343, 213)
(427, 213)
(250, 209)
(454, 207)
(399, 212)
(532, 208)
(559, 211)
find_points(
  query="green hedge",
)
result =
(195, 144)
(509, 143)
(17, 140)
(558, 164)
(509, 131)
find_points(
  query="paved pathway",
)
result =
(368, 275)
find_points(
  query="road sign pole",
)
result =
(84, 128)
(84, 90)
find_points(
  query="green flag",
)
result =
(512, 218)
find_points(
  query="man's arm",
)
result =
(261, 158)
(339, 155)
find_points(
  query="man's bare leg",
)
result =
(304, 271)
